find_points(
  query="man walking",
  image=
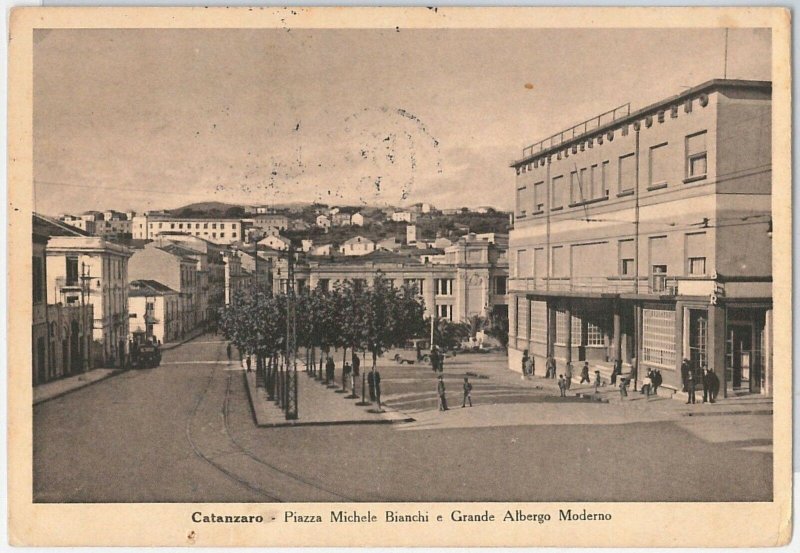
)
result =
(441, 391)
(330, 369)
(617, 371)
(230, 352)
(585, 373)
(467, 393)
(562, 387)
(249, 362)
(623, 388)
(597, 381)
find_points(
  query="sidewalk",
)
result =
(63, 386)
(318, 405)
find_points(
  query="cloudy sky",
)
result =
(150, 119)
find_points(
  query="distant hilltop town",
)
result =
(103, 277)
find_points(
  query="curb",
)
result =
(728, 413)
(76, 388)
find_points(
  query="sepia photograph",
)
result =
(490, 266)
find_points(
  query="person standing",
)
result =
(531, 366)
(585, 373)
(597, 381)
(550, 365)
(647, 384)
(435, 358)
(376, 379)
(691, 384)
(525, 358)
(706, 385)
(330, 369)
(249, 363)
(356, 366)
(467, 393)
(371, 384)
(230, 352)
(562, 386)
(617, 371)
(686, 368)
(623, 388)
(657, 381)
(713, 384)
(440, 389)
(347, 372)
(568, 376)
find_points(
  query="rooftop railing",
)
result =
(580, 129)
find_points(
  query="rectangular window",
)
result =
(574, 188)
(444, 286)
(696, 253)
(558, 192)
(584, 186)
(172, 225)
(559, 262)
(522, 319)
(444, 312)
(222, 225)
(524, 264)
(594, 335)
(538, 196)
(72, 271)
(521, 208)
(539, 321)
(416, 284)
(658, 337)
(205, 225)
(658, 165)
(627, 173)
(500, 285)
(696, 156)
(626, 256)
(604, 176)
(222, 235)
(213, 225)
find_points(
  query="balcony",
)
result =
(661, 285)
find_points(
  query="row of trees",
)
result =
(350, 317)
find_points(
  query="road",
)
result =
(184, 433)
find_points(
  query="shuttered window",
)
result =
(559, 262)
(696, 253)
(696, 156)
(659, 168)
(558, 192)
(627, 173)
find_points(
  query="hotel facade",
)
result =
(645, 236)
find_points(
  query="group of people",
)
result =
(441, 391)
(437, 359)
(708, 379)
(651, 382)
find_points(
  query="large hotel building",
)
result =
(646, 236)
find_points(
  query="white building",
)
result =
(219, 231)
(404, 217)
(357, 220)
(358, 245)
(276, 242)
(154, 308)
(323, 222)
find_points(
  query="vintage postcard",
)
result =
(400, 277)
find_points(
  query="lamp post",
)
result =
(291, 340)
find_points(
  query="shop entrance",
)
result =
(744, 365)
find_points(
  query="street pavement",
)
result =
(184, 432)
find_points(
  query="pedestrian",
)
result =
(346, 374)
(623, 388)
(435, 358)
(330, 368)
(467, 393)
(440, 389)
(418, 347)
(550, 365)
(249, 362)
(597, 382)
(617, 371)
(713, 384)
(706, 385)
(356, 366)
(230, 351)
(377, 383)
(441, 362)
(562, 386)
(371, 384)
(531, 366)
(568, 375)
(634, 376)
(691, 383)
(585, 373)
(686, 367)
(647, 384)
(657, 381)
(525, 358)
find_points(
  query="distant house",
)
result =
(358, 245)
(299, 224)
(404, 216)
(341, 219)
(389, 244)
(271, 220)
(154, 308)
(307, 245)
(483, 209)
(357, 220)
(323, 222)
(322, 249)
(278, 242)
(451, 211)
(333, 211)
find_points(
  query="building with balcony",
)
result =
(154, 308)
(89, 270)
(645, 236)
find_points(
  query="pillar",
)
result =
(617, 336)
(551, 329)
(716, 344)
(637, 312)
(568, 338)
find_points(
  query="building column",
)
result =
(568, 339)
(716, 344)
(551, 329)
(637, 329)
(617, 336)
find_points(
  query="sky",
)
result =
(156, 119)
